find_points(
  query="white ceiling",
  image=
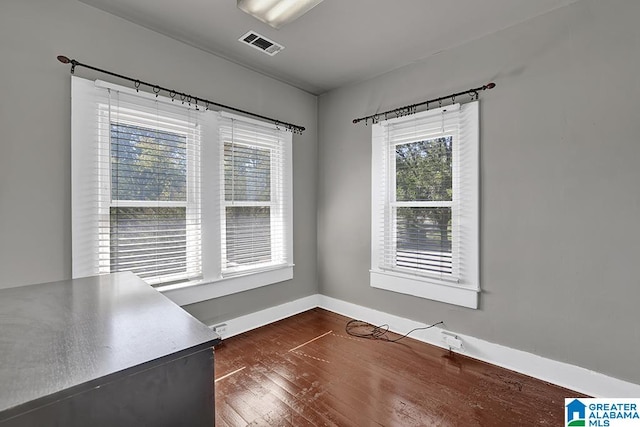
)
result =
(339, 41)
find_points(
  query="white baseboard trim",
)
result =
(563, 374)
(260, 318)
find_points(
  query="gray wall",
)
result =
(560, 204)
(560, 238)
(35, 179)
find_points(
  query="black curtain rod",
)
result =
(411, 109)
(182, 96)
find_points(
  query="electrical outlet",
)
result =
(454, 343)
(451, 340)
(220, 329)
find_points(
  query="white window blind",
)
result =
(178, 196)
(419, 217)
(424, 199)
(136, 173)
(255, 201)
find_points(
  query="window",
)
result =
(425, 205)
(178, 195)
(254, 208)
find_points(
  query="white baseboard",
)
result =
(251, 321)
(563, 374)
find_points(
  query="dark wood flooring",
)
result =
(306, 371)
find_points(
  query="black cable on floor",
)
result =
(361, 329)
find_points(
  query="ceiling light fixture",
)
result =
(277, 13)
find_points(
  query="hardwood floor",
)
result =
(306, 371)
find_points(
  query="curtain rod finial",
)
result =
(63, 59)
(490, 85)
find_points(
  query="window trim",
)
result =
(280, 200)
(465, 292)
(191, 203)
(193, 292)
(212, 285)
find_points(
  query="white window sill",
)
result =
(425, 288)
(190, 293)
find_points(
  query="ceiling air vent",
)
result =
(261, 43)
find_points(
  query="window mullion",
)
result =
(390, 240)
(455, 208)
(423, 204)
(149, 203)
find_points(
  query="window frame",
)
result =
(463, 285)
(276, 211)
(215, 284)
(212, 284)
(452, 204)
(191, 203)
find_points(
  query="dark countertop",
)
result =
(60, 338)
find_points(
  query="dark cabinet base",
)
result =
(178, 392)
